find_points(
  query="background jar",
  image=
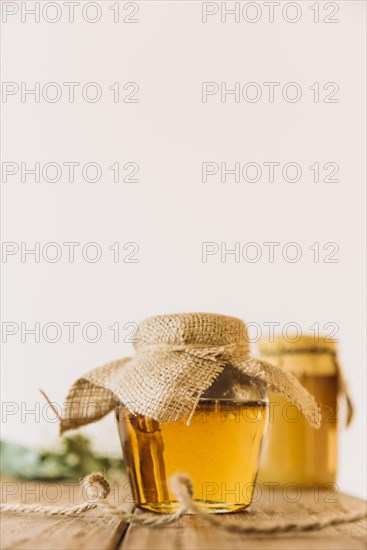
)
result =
(294, 452)
(218, 446)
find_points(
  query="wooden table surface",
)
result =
(92, 531)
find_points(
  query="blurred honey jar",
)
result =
(294, 452)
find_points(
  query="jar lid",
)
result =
(299, 345)
(307, 356)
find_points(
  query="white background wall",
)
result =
(170, 212)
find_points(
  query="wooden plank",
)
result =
(35, 532)
(191, 533)
(30, 533)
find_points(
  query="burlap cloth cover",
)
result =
(177, 357)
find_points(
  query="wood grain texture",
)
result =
(34, 532)
(30, 533)
(93, 532)
(191, 533)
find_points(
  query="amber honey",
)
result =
(295, 452)
(219, 450)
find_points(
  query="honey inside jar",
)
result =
(295, 452)
(219, 450)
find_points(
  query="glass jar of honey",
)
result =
(192, 401)
(217, 446)
(294, 452)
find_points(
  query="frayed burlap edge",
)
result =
(177, 359)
